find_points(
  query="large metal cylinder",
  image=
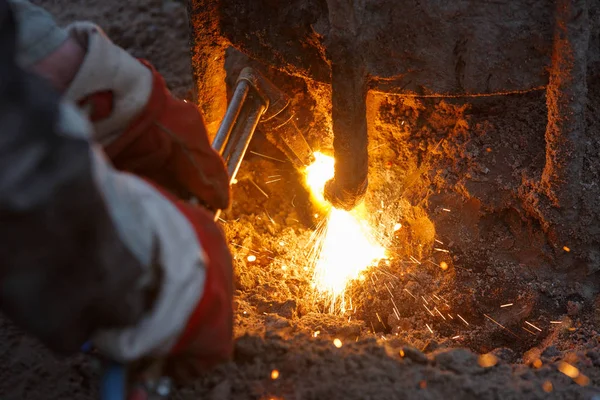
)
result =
(424, 48)
(440, 47)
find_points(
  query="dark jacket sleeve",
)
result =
(64, 272)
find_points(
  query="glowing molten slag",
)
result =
(345, 244)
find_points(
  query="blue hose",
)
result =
(113, 383)
(87, 347)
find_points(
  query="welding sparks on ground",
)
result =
(344, 244)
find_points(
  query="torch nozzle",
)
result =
(278, 121)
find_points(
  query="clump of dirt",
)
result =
(468, 272)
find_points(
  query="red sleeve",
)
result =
(208, 335)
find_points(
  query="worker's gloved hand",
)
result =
(189, 327)
(208, 336)
(143, 128)
(146, 131)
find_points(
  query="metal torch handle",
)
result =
(237, 128)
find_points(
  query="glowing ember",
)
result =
(487, 360)
(582, 380)
(345, 244)
(568, 370)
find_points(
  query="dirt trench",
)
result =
(451, 173)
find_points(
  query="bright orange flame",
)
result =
(317, 174)
(345, 245)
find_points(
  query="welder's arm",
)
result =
(117, 256)
(141, 126)
(56, 233)
(90, 252)
(43, 47)
(186, 259)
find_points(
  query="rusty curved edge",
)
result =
(207, 51)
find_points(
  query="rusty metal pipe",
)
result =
(349, 184)
(350, 139)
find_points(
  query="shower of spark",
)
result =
(344, 244)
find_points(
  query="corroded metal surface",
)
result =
(448, 47)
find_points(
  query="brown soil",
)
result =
(451, 173)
